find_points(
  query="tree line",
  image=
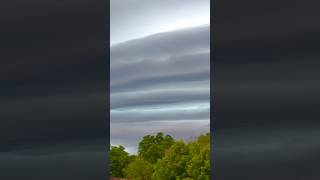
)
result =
(160, 157)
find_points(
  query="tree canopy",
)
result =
(139, 169)
(160, 157)
(119, 159)
(152, 148)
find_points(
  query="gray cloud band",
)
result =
(178, 59)
(163, 81)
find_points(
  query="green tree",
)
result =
(139, 169)
(204, 139)
(161, 158)
(119, 159)
(185, 161)
(173, 165)
(153, 148)
(199, 165)
(132, 158)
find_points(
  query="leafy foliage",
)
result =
(139, 169)
(119, 159)
(152, 148)
(173, 165)
(162, 158)
(199, 165)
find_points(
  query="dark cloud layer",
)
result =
(266, 90)
(161, 80)
(53, 89)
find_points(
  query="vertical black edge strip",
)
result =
(212, 31)
(108, 87)
(51, 127)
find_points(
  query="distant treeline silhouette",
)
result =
(160, 157)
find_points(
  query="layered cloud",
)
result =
(160, 82)
(131, 19)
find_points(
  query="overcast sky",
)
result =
(159, 69)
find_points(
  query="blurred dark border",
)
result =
(266, 90)
(54, 84)
(212, 126)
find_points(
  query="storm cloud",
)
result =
(163, 80)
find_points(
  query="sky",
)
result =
(159, 74)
